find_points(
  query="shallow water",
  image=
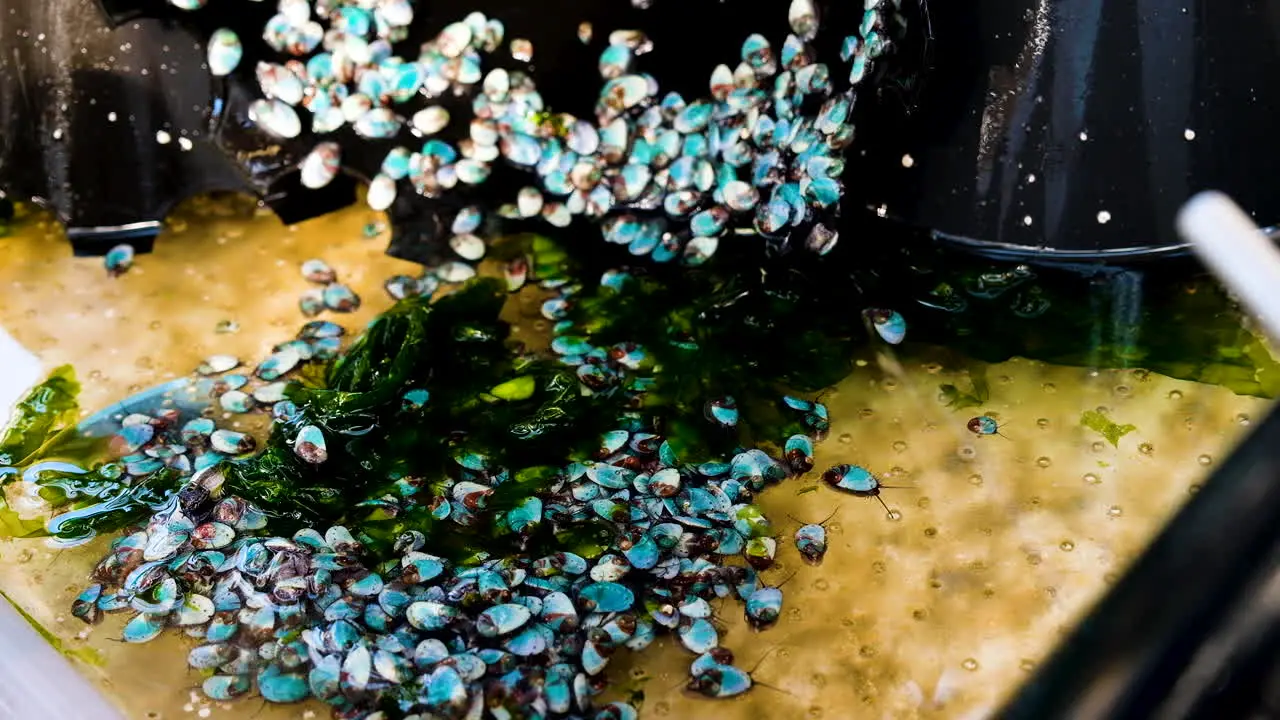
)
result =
(993, 548)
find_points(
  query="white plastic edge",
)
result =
(1238, 252)
(38, 681)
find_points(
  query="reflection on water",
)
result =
(992, 547)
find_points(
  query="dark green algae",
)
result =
(707, 338)
(745, 326)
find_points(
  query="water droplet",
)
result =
(1175, 394)
(1205, 459)
(1193, 488)
(821, 584)
(894, 515)
(1049, 387)
(969, 664)
(846, 438)
(1027, 665)
(1066, 546)
(1242, 419)
(1147, 448)
(923, 503)
(1098, 446)
(1092, 479)
(1115, 511)
(975, 480)
(1043, 461)
(866, 413)
(899, 446)
(1124, 390)
(1104, 217)
(930, 532)
(1042, 423)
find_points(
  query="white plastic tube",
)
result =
(1241, 256)
(38, 681)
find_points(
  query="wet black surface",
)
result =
(1038, 120)
(997, 141)
(81, 106)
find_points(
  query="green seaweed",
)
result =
(1105, 426)
(46, 412)
(81, 504)
(518, 412)
(86, 655)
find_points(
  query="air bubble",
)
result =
(975, 480)
(1175, 394)
(1147, 448)
(1104, 217)
(1043, 462)
(1092, 479)
(1205, 459)
(1027, 221)
(1189, 134)
(821, 584)
(1027, 665)
(908, 161)
(846, 438)
(1124, 390)
(1115, 511)
(867, 651)
(931, 532)
(969, 664)
(1066, 546)
(894, 515)
(1242, 419)
(1098, 446)
(1049, 387)
(1042, 423)
(661, 707)
(899, 446)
